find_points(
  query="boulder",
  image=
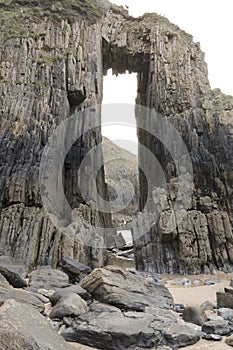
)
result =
(196, 283)
(211, 281)
(214, 337)
(219, 327)
(63, 292)
(229, 340)
(125, 289)
(12, 275)
(114, 331)
(180, 336)
(23, 327)
(194, 314)
(208, 305)
(70, 305)
(48, 278)
(74, 269)
(184, 281)
(107, 327)
(226, 314)
(20, 296)
(224, 300)
(178, 308)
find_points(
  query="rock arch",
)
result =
(68, 58)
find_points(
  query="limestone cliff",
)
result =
(52, 62)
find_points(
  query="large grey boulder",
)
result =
(126, 289)
(107, 327)
(194, 314)
(226, 314)
(14, 271)
(70, 305)
(225, 299)
(211, 281)
(180, 336)
(220, 327)
(48, 278)
(22, 327)
(13, 276)
(74, 269)
(20, 296)
(62, 292)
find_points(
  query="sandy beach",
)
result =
(197, 294)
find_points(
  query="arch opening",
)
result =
(120, 148)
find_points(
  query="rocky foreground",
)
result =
(108, 308)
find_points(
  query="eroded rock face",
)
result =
(56, 67)
(204, 118)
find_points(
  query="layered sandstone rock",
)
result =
(52, 63)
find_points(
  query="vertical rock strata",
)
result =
(173, 80)
(51, 67)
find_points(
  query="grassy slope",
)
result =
(14, 14)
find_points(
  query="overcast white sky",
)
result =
(209, 21)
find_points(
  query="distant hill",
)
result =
(121, 164)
